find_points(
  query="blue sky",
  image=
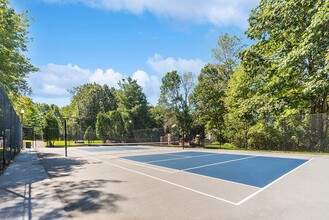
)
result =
(84, 41)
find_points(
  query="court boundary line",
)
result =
(168, 182)
(270, 184)
(182, 157)
(218, 163)
(150, 166)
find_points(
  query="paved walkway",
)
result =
(26, 191)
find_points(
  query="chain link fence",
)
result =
(10, 131)
(303, 133)
(77, 136)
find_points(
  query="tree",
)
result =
(89, 135)
(170, 97)
(174, 99)
(32, 114)
(90, 99)
(117, 128)
(14, 66)
(51, 129)
(208, 98)
(209, 95)
(291, 54)
(226, 53)
(289, 61)
(132, 105)
(103, 126)
(241, 106)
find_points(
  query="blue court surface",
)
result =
(256, 171)
(110, 148)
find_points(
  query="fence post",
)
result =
(65, 137)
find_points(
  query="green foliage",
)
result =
(31, 116)
(226, 146)
(208, 99)
(90, 99)
(291, 52)
(51, 129)
(110, 126)
(283, 74)
(117, 129)
(89, 134)
(133, 105)
(14, 66)
(174, 100)
(103, 126)
(156, 114)
(209, 95)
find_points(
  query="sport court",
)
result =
(228, 177)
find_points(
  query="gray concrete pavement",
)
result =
(26, 191)
(100, 185)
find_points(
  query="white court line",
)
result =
(147, 166)
(262, 189)
(182, 158)
(213, 164)
(168, 182)
(152, 166)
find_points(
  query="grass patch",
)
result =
(226, 146)
(62, 144)
(74, 144)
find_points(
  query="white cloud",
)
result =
(50, 84)
(163, 65)
(150, 84)
(52, 81)
(217, 12)
(109, 77)
(53, 90)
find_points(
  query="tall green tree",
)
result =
(133, 105)
(90, 99)
(89, 135)
(290, 57)
(208, 98)
(170, 97)
(14, 65)
(175, 100)
(51, 129)
(209, 95)
(117, 129)
(31, 116)
(103, 126)
(289, 61)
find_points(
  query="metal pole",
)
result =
(65, 137)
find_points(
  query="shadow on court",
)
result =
(82, 196)
(58, 166)
(85, 196)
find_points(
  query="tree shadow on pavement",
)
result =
(88, 196)
(59, 166)
(80, 196)
(26, 202)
